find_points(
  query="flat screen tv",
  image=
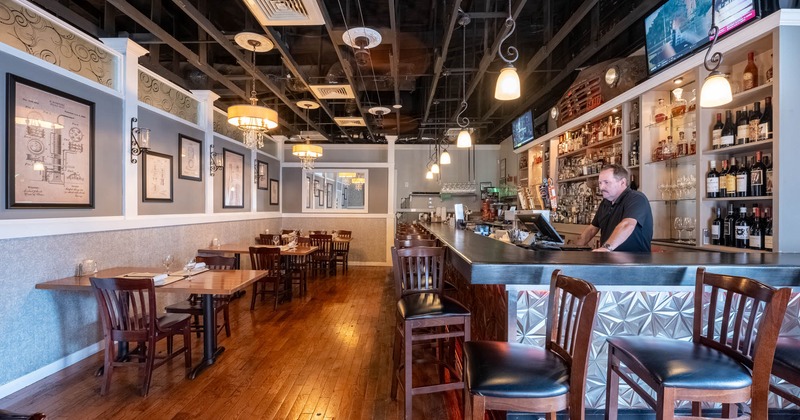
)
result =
(678, 28)
(522, 129)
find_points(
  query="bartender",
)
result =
(624, 218)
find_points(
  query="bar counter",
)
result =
(649, 294)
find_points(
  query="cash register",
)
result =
(542, 234)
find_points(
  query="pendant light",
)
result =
(444, 158)
(507, 87)
(435, 168)
(716, 90)
(464, 138)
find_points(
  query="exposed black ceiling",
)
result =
(418, 63)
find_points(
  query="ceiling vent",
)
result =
(286, 12)
(312, 135)
(332, 91)
(350, 121)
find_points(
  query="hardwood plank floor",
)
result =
(327, 355)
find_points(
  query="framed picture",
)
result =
(274, 196)
(190, 158)
(232, 179)
(316, 188)
(50, 147)
(156, 177)
(309, 192)
(329, 195)
(321, 199)
(503, 172)
(263, 173)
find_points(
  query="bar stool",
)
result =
(515, 376)
(423, 314)
(787, 367)
(716, 365)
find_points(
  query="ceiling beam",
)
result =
(638, 13)
(546, 50)
(76, 19)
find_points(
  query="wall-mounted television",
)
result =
(678, 28)
(522, 129)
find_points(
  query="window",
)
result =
(335, 190)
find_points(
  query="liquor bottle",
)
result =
(742, 230)
(693, 143)
(757, 176)
(716, 132)
(683, 144)
(723, 179)
(634, 116)
(728, 228)
(769, 70)
(756, 239)
(693, 101)
(768, 176)
(743, 180)
(765, 124)
(730, 178)
(755, 121)
(660, 113)
(742, 126)
(728, 131)
(750, 76)
(668, 151)
(768, 229)
(716, 228)
(634, 184)
(679, 104)
(712, 180)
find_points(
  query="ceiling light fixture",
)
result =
(254, 120)
(678, 80)
(307, 153)
(362, 39)
(507, 87)
(444, 158)
(359, 182)
(464, 138)
(716, 90)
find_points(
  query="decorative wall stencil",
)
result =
(222, 127)
(163, 96)
(28, 31)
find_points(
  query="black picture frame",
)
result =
(78, 192)
(329, 195)
(232, 171)
(263, 174)
(309, 192)
(190, 156)
(157, 185)
(321, 199)
(274, 193)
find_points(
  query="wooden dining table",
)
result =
(207, 284)
(239, 248)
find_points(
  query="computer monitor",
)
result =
(539, 221)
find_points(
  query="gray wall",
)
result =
(262, 196)
(108, 142)
(219, 146)
(187, 195)
(347, 153)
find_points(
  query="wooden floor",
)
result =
(327, 355)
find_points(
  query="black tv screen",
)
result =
(678, 28)
(522, 129)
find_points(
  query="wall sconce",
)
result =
(216, 161)
(716, 90)
(258, 173)
(140, 140)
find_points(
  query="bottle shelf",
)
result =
(748, 97)
(579, 178)
(672, 200)
(740, 148)
(759, 197)
(678, 160)
(678, 121)
(606, 142)
(634, 131)
(721, 248)
(633, 167)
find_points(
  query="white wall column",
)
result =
(205, 119)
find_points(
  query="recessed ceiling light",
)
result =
(615, 110)
(397, 106)
(678, 80)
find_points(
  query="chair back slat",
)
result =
(417, 270)
(318, 232)
(711, 330)
(737, 322)
(346, 234)
(127, 307)
(325, 244)
(303, 241)
(217, 262)
(726, 316)
(267, 259)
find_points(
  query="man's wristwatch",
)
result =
(608, 246)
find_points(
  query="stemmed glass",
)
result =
(167, 262)
(688, 225)
(663, 188)
(276, 240)
(678, 225)
(190, 265)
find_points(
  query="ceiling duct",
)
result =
(286, 12)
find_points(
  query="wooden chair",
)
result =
(323, 258)
(194, 305)
(287, 231)
(128, 311)
(424, 314)
(267, 239)
(519, 377)
(268, 259)
(410, 243)
(723, 363)
(787, 367)
(303, 241)
(341, 250)
(8, 415)
(317, 232)
(345, 234)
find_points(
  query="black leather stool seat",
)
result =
(423, 305)
(787, 353)
(683, 364)
(514, 370)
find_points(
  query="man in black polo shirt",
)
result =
(624, 218)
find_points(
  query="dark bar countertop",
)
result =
(483, 260)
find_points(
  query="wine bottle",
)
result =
(742, 127)
(716, 227)
(768, 176)
(723, 179)
(768, 229)
(634, 185)
(742, 179)
(742, 230)
(728, 131)
(757, 177)
(730, 178)
(769, 72)
(750, 76)
(712, 180)
(728, 228)
(755, 121)
(756, 239)
(716, 132)
(765, 124)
